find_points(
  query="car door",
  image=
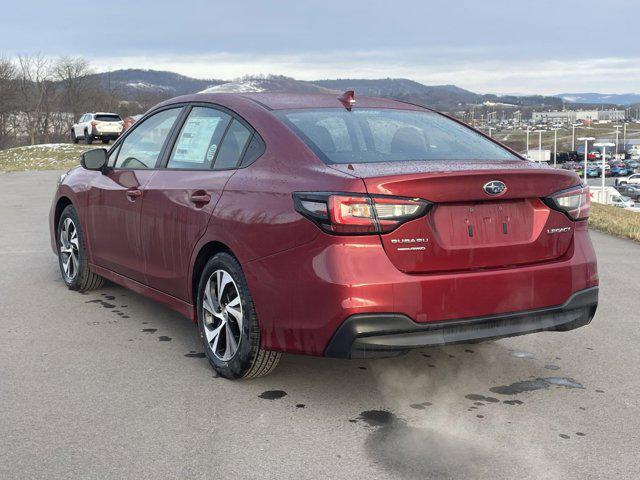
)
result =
(181, 197)
(77, 128)
(115, 197)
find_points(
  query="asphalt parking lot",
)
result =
(111, 385)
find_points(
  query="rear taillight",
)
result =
(358, 214)
(574, 202)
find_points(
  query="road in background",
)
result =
(110, 385)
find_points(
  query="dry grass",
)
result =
(615, 221)
(51, 156)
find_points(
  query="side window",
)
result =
(113, 154)
(255, 148)
(232, 146)
(142, 147)
(199, 139)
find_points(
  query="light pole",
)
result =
(527, 148)
(573, 136)
(540, 145)
(586, 154)
(617, 142)
(555, 147)
(604, 146)
(490, 129)
(624, 138)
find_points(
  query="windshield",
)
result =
(386, 135)
(108, 118)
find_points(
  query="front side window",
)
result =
(389, 135)
(142, 147)
(199, 139)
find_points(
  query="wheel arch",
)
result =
(62, 203)
(206, 251)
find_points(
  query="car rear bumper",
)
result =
(388, 334)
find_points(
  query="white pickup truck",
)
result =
(631, 179)
(97, 126)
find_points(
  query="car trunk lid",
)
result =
(467, 228)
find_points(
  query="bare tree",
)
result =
(7, 99)
(76, 87)
(34, 86)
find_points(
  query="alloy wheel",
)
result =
(69, 249)
(222, 312)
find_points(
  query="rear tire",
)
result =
(88, 139)
(72, 257)
(227, 322)
(105, 140)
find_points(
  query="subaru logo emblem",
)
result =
(494, 187)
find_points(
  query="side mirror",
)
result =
(95, 159)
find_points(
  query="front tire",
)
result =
(74, 139)
(88, 139)
(72, 256)
(227, 322)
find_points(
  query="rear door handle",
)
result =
(133, 194)
(200, 198)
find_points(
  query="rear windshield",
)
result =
(387, 135)
(108, 118)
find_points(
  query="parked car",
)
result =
(97, 126)
(629, 190)
(635, 179)
(593, 170)
(622, 201)
(129, 121)
(313, 225)
(619, 169)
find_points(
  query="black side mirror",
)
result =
(95, 159)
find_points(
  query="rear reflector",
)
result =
(358, 214)
(574, 202)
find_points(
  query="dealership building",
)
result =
(573, 116)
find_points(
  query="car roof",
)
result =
(282, 100)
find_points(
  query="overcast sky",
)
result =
(499, 46)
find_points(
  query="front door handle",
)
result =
(133, 194)
(200, 198)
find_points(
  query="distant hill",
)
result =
(132, 83)
(601, 98)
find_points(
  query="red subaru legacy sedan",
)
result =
(319, 225)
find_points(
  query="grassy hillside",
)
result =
(51, 156)
(615, 221)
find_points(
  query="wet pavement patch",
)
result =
(362, 368)
(580, 434)
(562, 435)
(550, 366)
(513, 402)
(300, 405)
(522, 354)
(164, 338)
(101, 302)
(475, 396)
(377, 418)
(149, 330)
(273, 394)
(536, 384)
(195, 355)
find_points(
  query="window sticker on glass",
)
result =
(199, 138)
(211, 152)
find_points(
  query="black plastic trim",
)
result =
(391, 334)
